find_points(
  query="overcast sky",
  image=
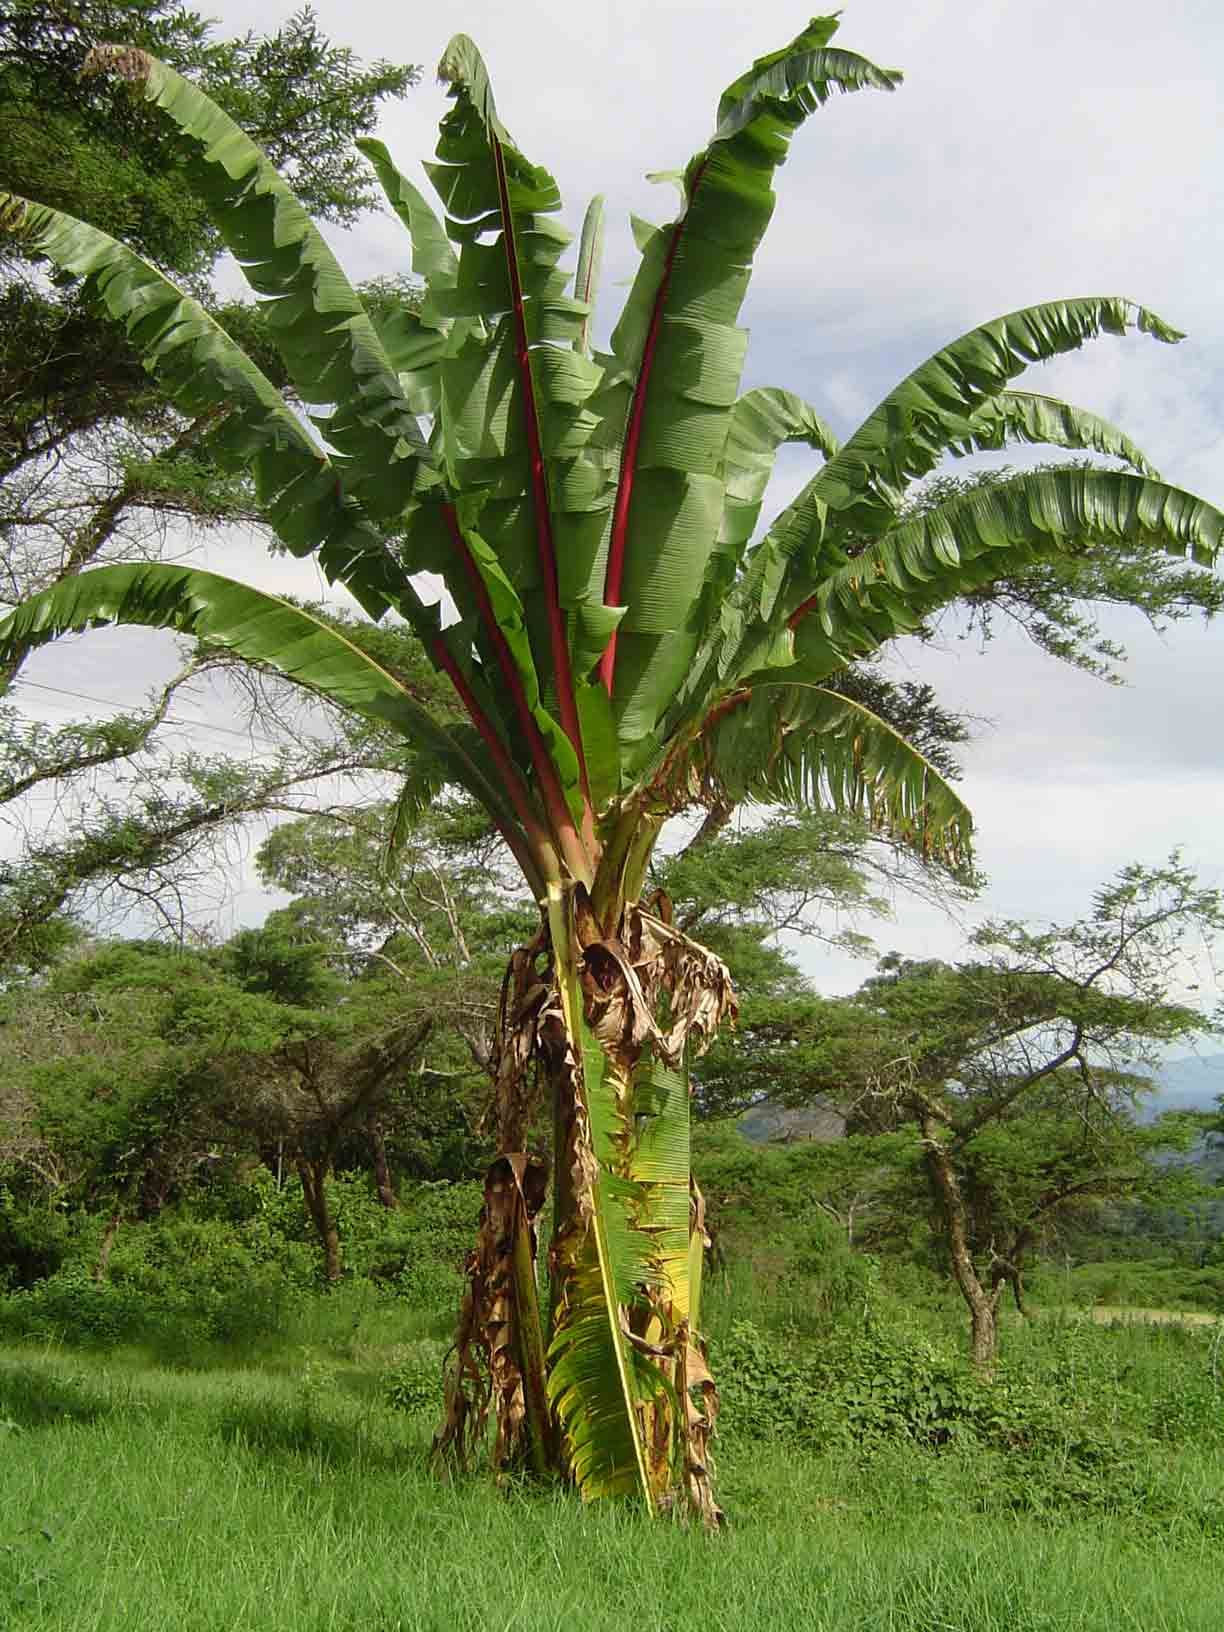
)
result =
(1037, 150)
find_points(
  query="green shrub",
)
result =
(412, 1381)
(174, 1284)
(71, 1307)
(1077, 1419)
(854, 1386)
(1154, 1283)
(35, 1239)
(415, 1251)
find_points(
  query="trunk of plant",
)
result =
(313, 1172)
(983, 1305)
(1017, 1286)
(272, 1155)
(382, 1171)
(604, 1381)
(985, 1334)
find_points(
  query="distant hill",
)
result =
(1192, 1083)
(767, 1123)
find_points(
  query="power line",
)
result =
(168, 719)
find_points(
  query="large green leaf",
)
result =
(597, 1379)
(586, 273)
(261, 628)
(433, 259)
(596, 1376)
(956, 400)
(499, 624)
(762, 421)
(861, 491)
(673, 376)
(514, 422)
(330, 347)
(973, 539)
(659, 1164)
(1025, 416)
(785, 740)
(204, 373)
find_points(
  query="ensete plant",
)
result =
(623, 645)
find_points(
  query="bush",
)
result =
(174, 1284)
(1143, 1284)
(412, 1381)
(35, 1240)
(415, 1251)
(71, 1307)
(1077, 1418)
(857, 1386)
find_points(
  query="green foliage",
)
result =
(35, 1239)
(861, 1385)
(95, 463)
(81, 144)
(1021, 1070)
(234, 1267)
(332, 1486)
(1160, 1283)
(176, 1283)
(280, 961)
(412, 1379)
(1065, 1427)
(622, 652)
(414, 1252)
(1055, 599)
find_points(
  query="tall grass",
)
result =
(133, 1496)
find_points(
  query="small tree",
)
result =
(105, 1099)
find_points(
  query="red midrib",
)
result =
(550, 782)
(801, 611)
(515, 791)
(539, 486)
(633, 437)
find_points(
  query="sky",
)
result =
(1036, 151)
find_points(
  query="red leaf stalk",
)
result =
(633, 437)
(801, 611)
(566, 703)
(534, 860)
(546, 771)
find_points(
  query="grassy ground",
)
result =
(132, 1496)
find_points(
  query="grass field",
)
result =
(136, 1497)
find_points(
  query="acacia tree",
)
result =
(98, 465)
(623, 650)
(133, 1066)
(1021, 1069)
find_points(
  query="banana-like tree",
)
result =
(623, 644)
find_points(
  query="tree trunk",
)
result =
(983, 1305)
(627, 1403)
(272, 1155)
(1009, 1271)
(382, 1172)
(314, 1192)
(107, 1246)
(985, 1333)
